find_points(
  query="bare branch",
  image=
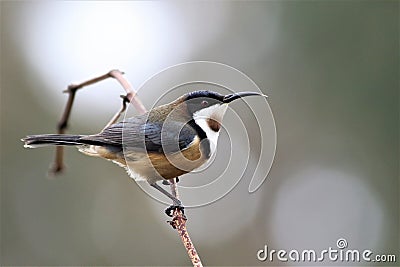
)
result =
(179, 223)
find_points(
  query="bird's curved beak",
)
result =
(229, 98)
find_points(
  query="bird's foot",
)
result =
(170, 210)
(166, 182)
(177, 212)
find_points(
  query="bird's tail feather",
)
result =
(33, 141)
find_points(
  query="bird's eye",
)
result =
(204, 103)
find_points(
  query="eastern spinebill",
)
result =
(162, 144)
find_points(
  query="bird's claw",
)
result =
(170, 210)
(166, 182)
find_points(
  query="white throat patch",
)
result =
(215, 112)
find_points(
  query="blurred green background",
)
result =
(331, 69)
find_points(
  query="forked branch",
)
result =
(58, 165)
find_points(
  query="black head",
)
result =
(198, 100)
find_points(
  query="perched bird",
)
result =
(162, 144)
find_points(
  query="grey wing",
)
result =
(169, 137)
(138, 135)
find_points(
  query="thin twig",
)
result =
(179, 223)
(115, 118)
